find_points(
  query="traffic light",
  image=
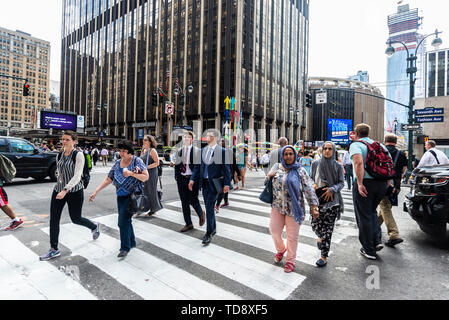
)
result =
(154, 98)
(308, 100)
(161, 96)
(26, 89)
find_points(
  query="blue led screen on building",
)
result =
(338, 130)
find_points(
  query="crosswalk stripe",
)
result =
(24, 277)
(261, 276)
(306, 253)
(144, 274)
(261, 221)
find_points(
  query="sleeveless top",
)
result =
(66, 171)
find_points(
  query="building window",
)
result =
(431, 74)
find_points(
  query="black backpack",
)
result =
(85, 177)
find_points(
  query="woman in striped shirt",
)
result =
(68, 189)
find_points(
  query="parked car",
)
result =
(428, 200)
(29, 161)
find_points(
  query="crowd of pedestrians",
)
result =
(294, 178)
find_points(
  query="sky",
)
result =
(350, 35)
(345, 35)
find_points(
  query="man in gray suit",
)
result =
(275, 156)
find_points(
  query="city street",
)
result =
(238, 264)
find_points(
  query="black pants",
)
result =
(366, 214)
(349, 175)
(75, 203)
(188, 198)
(220, 197)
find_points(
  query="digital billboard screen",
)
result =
(338, 130)
(58, 121)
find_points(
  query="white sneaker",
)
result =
(363, 253)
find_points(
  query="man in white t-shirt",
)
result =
(432, 156)
(104, 156)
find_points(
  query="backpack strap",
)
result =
(396, 157)
(435, 155)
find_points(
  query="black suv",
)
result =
(29, 161)
(428, 200)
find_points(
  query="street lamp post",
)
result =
(178, 90)
(411, 71)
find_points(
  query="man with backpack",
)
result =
(372, 167)
(7, 172)
(394, 188)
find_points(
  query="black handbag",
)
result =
(267, 193)
(319, 193)
(139, 201)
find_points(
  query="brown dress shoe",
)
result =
(203, 219)
(187, 228)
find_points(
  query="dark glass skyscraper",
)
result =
(116, 53)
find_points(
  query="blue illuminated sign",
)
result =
(338, 130)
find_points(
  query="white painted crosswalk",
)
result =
(167, 264)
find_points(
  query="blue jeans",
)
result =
(210, 196)
(127, 238)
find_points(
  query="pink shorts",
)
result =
(3, 197)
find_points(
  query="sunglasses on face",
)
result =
(328, 149)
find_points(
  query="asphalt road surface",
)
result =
(238, 264)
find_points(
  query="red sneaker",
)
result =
(224, 205)
(14, 225)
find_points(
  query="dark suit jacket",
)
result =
(219, 167)
(193, 162)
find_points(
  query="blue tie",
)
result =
(208, 156)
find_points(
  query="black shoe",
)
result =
(321, 263)
(379, 247)
(206, 240)
(392, 243)
(187, 228)
(122, 254)
(213, 233)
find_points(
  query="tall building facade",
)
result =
(403, 26)
(24, 56)
(346, 100)
(117, 53)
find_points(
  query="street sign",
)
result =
(429, 111)
(430, 119)
(410, 127)
(169, 107)
(321, 97)
(352, 135)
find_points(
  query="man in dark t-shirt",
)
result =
(394, 187)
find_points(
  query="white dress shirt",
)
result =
(428, 158)
(186, 160)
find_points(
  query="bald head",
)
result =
(283, 141)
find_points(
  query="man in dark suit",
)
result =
(214, 166)
(187, 159)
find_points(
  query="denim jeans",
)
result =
(127, 238)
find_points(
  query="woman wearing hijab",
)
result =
(328, 176)
(291, 184)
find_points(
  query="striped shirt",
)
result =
(69, 174)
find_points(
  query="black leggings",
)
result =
(75, 203)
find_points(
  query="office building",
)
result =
(23, 56)
(361, 76)
(403, 26)
(344, 101)
(116, 54)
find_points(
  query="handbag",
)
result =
(267, 193)
(139, 201)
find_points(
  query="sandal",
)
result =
(319, 244)
(279, 256)
(289, 267)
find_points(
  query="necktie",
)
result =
(184, 161)
(208, 158)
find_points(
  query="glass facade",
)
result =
(116, 53)
(437, 72)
